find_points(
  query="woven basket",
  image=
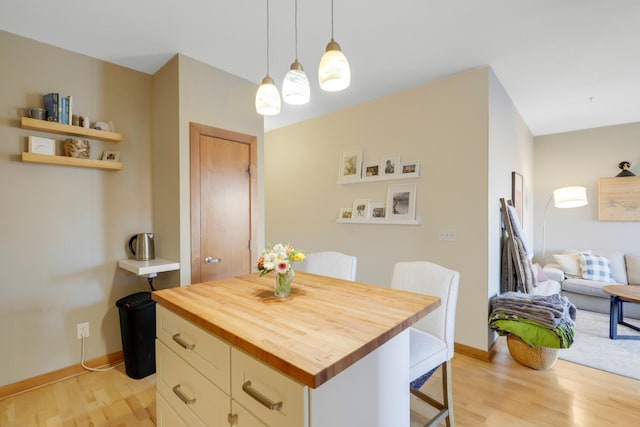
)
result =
(538, 358)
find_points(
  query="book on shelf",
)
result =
(59, 108)
(51, 105)
(64, 109)
(69, 109)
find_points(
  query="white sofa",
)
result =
(585, 292)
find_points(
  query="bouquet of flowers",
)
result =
(279, 258)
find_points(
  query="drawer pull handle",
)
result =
(183, 343)
(265, 401)
(185, 399)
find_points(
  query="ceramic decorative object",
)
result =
(78, 148)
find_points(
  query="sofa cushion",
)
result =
(618, 267)
(570, 262)
(595, 267)
(585, 287)
(633, 268)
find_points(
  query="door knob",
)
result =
(209, 260)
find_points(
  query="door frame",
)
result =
(195, 131)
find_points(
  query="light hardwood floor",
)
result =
(498, 394)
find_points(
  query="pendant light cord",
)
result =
(331, 19)
(267, 37)
(296, 27)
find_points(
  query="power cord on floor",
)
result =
(88, 368)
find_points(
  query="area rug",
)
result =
(593, 347)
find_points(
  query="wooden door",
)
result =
(223, 194)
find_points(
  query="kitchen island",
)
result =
(335, 353)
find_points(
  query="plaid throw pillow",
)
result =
(596, 268)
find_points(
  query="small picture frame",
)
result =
(410, 168)
(38, 145)
(517, 194)
(378, 211)
(360, 209)
(350, 168)
(110, 155)
(390, 164)
(401, 202)
(345, 213)
(371, 169)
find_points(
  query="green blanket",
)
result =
(533, 333)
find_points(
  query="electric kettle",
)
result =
(141, 246)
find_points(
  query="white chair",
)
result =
(431, 338)
(332, 264)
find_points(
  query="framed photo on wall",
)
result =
(345, 213)
(517, 193)
(350, 168)
(410, 168)
(378, 211)
(390, 164)
(371, 169)
(360, 209)
(401, 202)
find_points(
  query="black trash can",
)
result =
(138, 329)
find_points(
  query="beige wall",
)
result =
(582, 158)
(63, 229)
(510, 150)
(186, 90)
(445, 126)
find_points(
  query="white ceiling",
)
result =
(567, 64)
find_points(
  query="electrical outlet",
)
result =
(83, 330)
(447, 235)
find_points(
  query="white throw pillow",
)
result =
(596, 268)
(633, 268)
(570, 263)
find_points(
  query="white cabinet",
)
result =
(274, 398)
(203, 381)
(193, 397)
(165, 416)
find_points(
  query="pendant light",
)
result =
(334, 74)
(295, 87)
(267, 97)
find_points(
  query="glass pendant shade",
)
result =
(334, 73)
(268, 98)
(295, 87)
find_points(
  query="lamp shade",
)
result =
(268, 98)
(570, 197)
(295, 87)
(334, 73)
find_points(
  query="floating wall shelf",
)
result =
(391, 177)
(59, 128)
(71, 161)
(416, 221)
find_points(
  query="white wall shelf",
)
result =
(377, 178)
(416, 221)
(152, 267)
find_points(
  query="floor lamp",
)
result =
(564, 197)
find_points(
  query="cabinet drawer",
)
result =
(205, 352)
(243, 417)
(192, 396)
(253, 381)
(166, 416)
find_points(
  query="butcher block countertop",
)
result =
(325, 326)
